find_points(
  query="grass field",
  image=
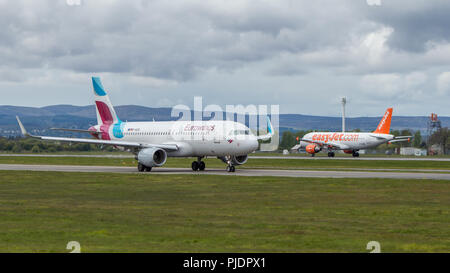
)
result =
(252, 163)
(42, 211)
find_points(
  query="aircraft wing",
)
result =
(169, 147)
(76, 130)
(329, 144)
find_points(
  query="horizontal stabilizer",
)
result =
(380, 136)
(401, 138)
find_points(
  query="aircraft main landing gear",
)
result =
(330, 154)
(198, 165)
(143, 168)
(355, 154)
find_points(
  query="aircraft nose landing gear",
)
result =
(230, 166)
(231, 169)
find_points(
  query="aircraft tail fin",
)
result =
(105, 111)
(385, 124)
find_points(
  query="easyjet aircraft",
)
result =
(153, 142)
(351, 143)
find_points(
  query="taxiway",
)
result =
(239, 172)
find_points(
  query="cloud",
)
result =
(176, 40)
(382, 85)
(415, 23)
(443, 83)
(181, 39)
(374, 44)
(394, 86)
(232, 50)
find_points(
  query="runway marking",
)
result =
(239, 172)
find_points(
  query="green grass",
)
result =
(252, 163)
(42, 211)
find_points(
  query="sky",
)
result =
(302, 55)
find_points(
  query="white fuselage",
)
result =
(348, 140)
(194, 138)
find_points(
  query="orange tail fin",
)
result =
(385, 123)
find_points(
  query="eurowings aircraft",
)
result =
(351, 143)
(153, 142)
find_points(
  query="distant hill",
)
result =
(38, 120)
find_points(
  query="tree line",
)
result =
(288, 140)
(24, 145)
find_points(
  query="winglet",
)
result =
(270, 131)
(98, 87)
(269, 126)
(22, 128)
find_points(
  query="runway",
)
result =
(250, 157)
(239, 172)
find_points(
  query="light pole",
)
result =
(344, 101)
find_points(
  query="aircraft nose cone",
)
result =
(253, 145)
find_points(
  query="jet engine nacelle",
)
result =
(152, 157)
(239, 160)
(312, 149)
(235, 160)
